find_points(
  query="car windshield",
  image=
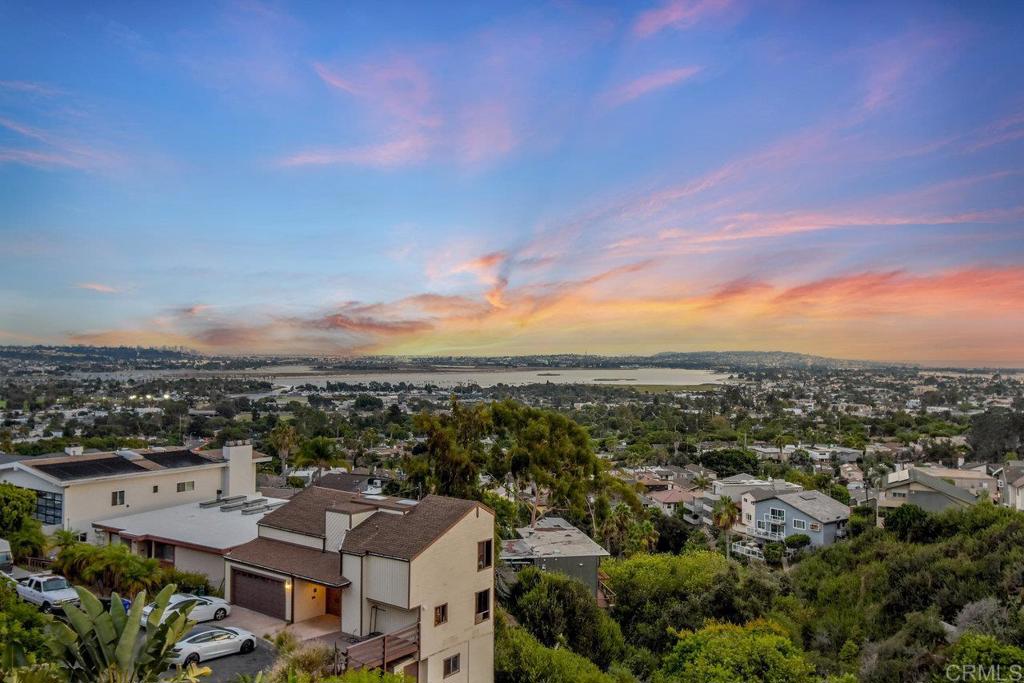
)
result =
(55, 584)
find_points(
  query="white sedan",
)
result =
(218, 641)
(206, 607)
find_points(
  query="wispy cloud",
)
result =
(677, 14)
(649, 83)
(52, 149)
(398, 152)
(98, 287)
(31, 88)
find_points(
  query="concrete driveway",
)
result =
(262, 625)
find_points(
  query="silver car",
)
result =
(199, 646)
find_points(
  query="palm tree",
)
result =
(285, 439)
(724, 515)
(780, 442)
(318, 452)
(701, 482)
(643, 537)
(617, 526)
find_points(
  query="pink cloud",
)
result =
(677, 14)
(486, 133)
(650, 83)
(398, 152)
(60, 152)
(98, 287)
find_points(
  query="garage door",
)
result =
(258, 593)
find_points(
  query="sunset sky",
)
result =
(844, 179)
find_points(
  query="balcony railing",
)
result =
(751, 551)
(379, 651)
(770, 535)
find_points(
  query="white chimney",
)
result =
(74, 450)
(240, 475)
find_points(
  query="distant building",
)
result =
(555, 545)
(915, 485)
(1011, 482)
(974, 481)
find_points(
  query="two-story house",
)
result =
(914, 485)
(772, 516)
(409, 584)
(734, 487)
(75, 489)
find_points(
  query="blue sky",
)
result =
(836, 178)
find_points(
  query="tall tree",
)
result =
(724, 515)
(285, 440)
(319, 452)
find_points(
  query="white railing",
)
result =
(770, 535)
(752, 552)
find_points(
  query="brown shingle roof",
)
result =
(293, 560)
(305, 512)
(406, 536)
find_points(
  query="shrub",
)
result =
(189, 582)
(798, 541)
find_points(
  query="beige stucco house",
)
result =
(409, 584)
(75, 489)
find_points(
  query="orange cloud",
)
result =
(633, 308)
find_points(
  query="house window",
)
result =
(747, 517)
(451, 666)
(441, 614)
(156, 489)
(799, 524)
(898, 494)
(483, 605)
(49, 507)
(163, 551)
(815, 526)
(117, 497)
(776, 513)
(484, 554)
(184, 486)
(760, 524)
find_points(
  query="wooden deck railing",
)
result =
(377, 652)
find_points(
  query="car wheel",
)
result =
(192, 659)
(45, 607)
(247, 647)
(220, 614)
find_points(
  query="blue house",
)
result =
(772, 516)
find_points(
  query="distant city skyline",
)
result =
(844, 180)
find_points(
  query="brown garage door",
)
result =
(257, 593)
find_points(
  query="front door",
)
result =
(334, 601)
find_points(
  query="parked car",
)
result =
(201, 645)
(206, 608)
(6, 557)
(125, 602)
(49, 591)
